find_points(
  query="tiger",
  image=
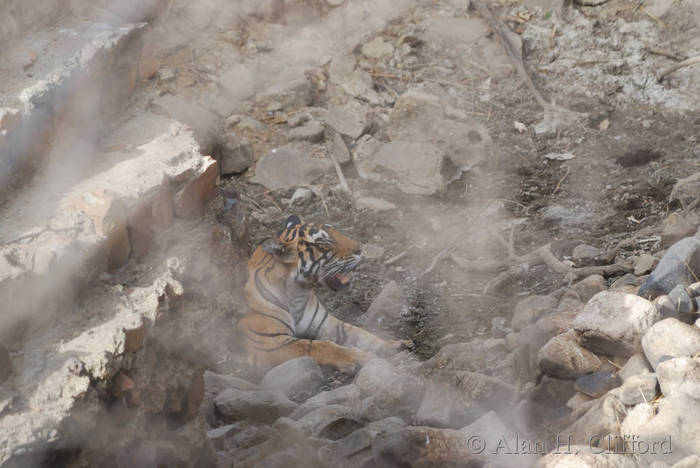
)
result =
(285, 319)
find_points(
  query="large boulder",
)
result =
(288, 167)
(679, 265)
(415, 168)
(530, 309)
(614, 323)
(347, 395)
(563, 357)
(638, 389)
(425, 446)
(387, 306)
(670, 338)
(356, 449)
(679, 376)
(258, 405)
(297, 378)
(600, 420)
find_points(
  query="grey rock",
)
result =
(491, 429)
(298, 119)
(666, 307)
(330, 422)
(290, 92)
(288, 167)
(674, 228)
(645, 264)
(408, 447)
(301, 196)
(547, 402)
(349, 119)
(336, 146)
(415, 168)
(377, 48)
(479, 355)
(373, 375)
(686, 189)
(418, 117)
(675, 429)
(445, 406)
(638, 389)
(636, 418)
(683, 303)
(5, 364)
(585, 252)
(601, 419)
(597, 384)
(220, 432)
(691, 461)
(165, 75)
(258, 405)
(347, 395)
(235, 154)
(499, 327)
(582, 456)
(530, 309)
(249, 123)
(374, 204)
(297, 378)
(354, 446)
(563, 357)
(213, 385)
(311, 131)
(387, 306)
(199, 119)
(670, 338)
(637, 364)
(613, 323)
(680, 375)
(398, 397)
(675, 267)
(589, 287)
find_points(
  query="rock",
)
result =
(425, 446)
(418, 117)
(288, 167)
(597, 384)
(165, 75)
(290, 92)
(330, 422)
(676, 267)
(638, 389)
(691, 461)
(675, 429)
(670, 338)
(202, 122)
(613, 323)
(601, 419)
(479, 355)
(445, 406)
(679, 376)
(674, 228)
(372, 251)
(298, 119)
(334, 3)
(373, 375)
(347, 395)
(301, 197)
(579, 401)
(249, 123)
(374, 204)
(581, 456)
(637, 364)
(311, 131)
(683, 303)
(636, 418)
(666, 307)
(336, 146)
(585, 252)
(349, 119)
(398, 397)
(530, 309)
(645, 264)
(564, 358)
(547, 403)
(235, 154)
(377, 48)
(10, 118)
(499, 327)
(387, 306)
(415, 168)
(297, 378)
(238, 82)
(220, 432)
(258, 405)
(353, 448)
(686, 189)
(589, 287)
(190, 202)
(5, 364)
(500, 440)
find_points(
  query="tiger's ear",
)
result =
(281, 251)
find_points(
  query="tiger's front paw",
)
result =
(353, 361)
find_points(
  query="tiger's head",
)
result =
(316, 254)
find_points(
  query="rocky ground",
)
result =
(537, 242)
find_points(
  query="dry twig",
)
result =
(399, 256)
(685, 63)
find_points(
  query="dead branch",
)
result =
(556, 189)
(685, 63)
(341, 176)
(664, 53)
(399, 256)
